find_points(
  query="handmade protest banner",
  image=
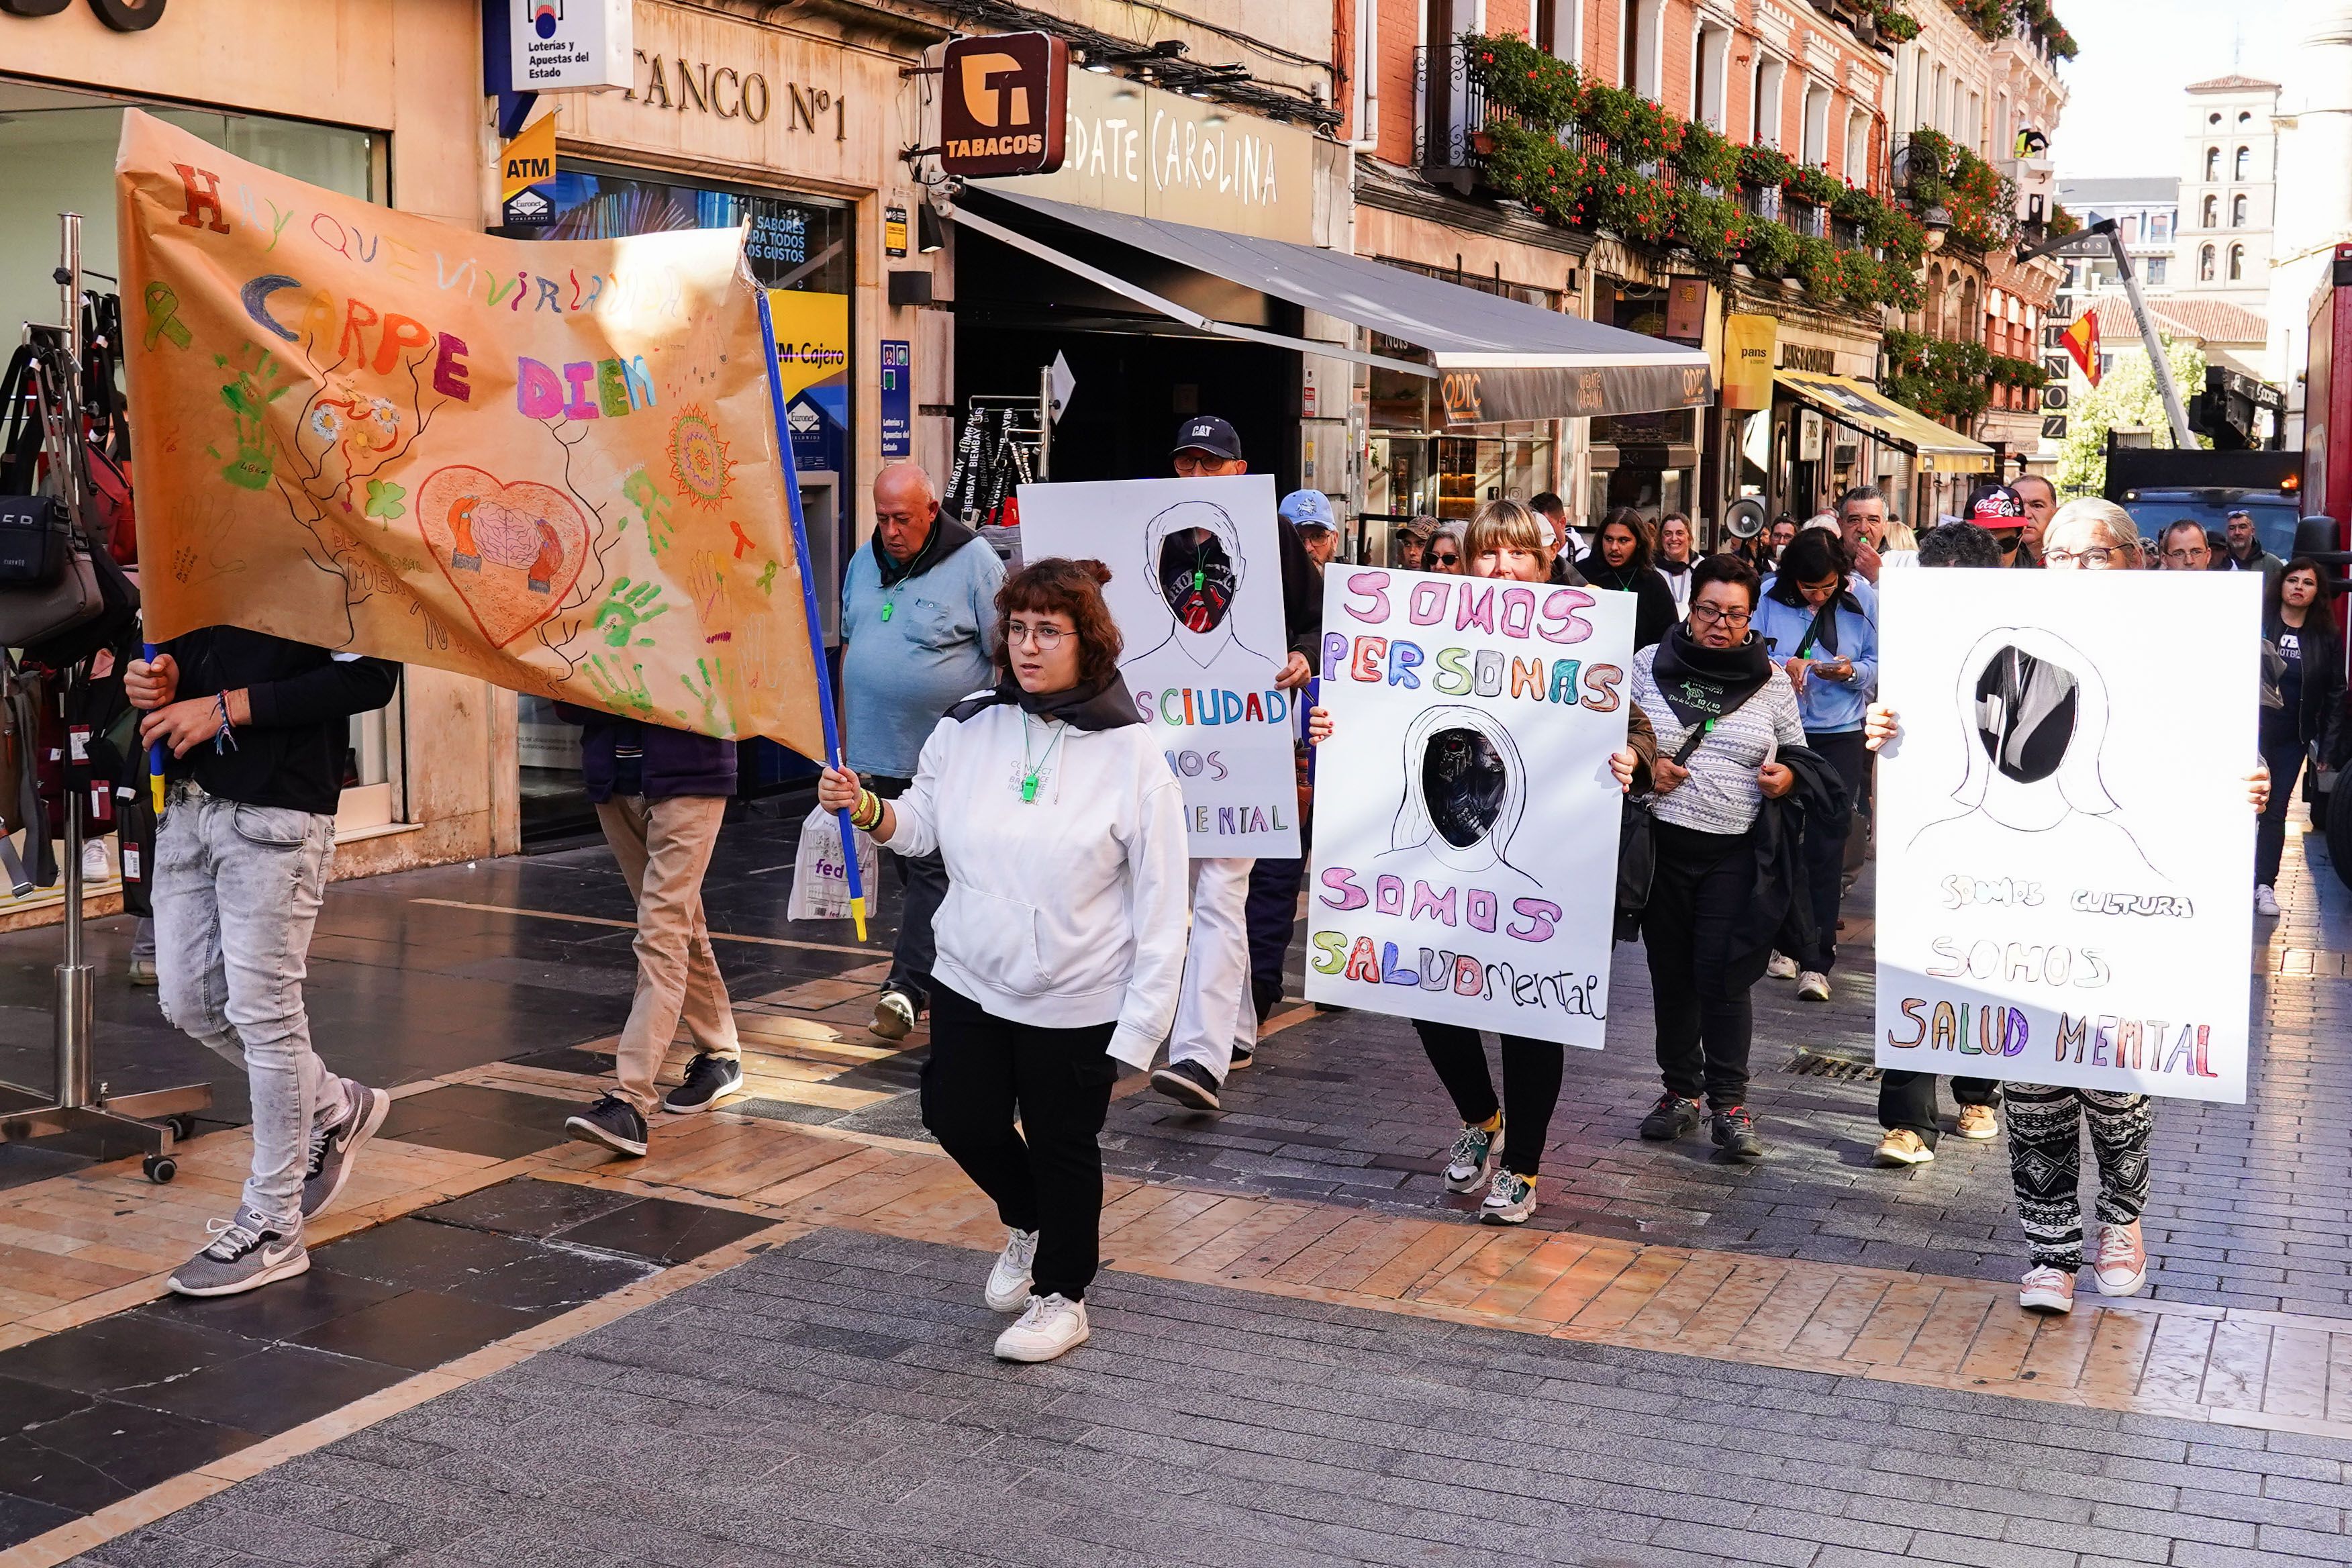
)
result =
(2064, 848)
(550, 465)
(1465, 871)
(1196, 588)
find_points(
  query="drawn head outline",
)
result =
(2035, 708)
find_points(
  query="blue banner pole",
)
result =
(155, 750)
(808, 604)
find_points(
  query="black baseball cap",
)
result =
(1207, 433)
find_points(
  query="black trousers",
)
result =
(2286, 759)
(1045, 1174)
(923, 882)
(1531, 1071)
(1271, 915)
(1826, 842)
(1695, 922)
(1908, 1100)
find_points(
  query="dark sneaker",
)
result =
(245, 1254)
(1243, 1056)
(335, 1148)
(709, 1080)
(612, 1121)
(1671, 1118)
(1735, 1134)
(1189, 1084)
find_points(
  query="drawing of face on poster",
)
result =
(1193, 552)
(2035, 709)
(1464, 791)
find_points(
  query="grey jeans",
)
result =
(237, 888)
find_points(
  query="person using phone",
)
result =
(1825, 637)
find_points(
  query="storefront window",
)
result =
(801, 244)
(57, 155)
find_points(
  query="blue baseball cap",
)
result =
(1308, 509)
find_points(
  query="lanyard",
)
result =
(1029, 772)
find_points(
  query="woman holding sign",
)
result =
(1509, 540)
(1061, 943)
(1724, 711)
(2045, 1120)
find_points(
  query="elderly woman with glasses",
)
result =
(1061, 943)
(2046, 1122)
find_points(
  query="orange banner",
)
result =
(550, 464)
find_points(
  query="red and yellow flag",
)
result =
(2082, 341)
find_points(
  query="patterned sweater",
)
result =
(1721, 796)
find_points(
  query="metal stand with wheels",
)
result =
(77, 1102)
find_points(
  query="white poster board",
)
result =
(1465, 819)
(1196, 588)
(2065, 854)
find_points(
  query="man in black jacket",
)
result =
(661, 795)
(257, 728)
(1217, 1014)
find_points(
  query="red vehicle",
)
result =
(2327, 475)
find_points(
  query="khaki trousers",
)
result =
(664, 847)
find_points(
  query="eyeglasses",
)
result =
(2188, 557)
(2096, 557)
(1443, 558)
(1708, 616)
(1045, 636)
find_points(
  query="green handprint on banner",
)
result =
(718, 685)
(249, 404)
(652, 505)
(628, 609)
(621, 691)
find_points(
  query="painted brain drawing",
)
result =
(511, 548)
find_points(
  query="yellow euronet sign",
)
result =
(1747, 343)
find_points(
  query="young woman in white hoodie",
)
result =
(1061, 943)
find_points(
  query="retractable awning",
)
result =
(1939, 448)
(1495, 358)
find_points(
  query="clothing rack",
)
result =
(1006, 442)
(77, 1101)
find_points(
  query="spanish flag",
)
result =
(2082, 341)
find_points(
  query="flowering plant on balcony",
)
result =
(1764, 167)
(1894, 21)
(1940, 173)
(1712, 229)
(1814, 186)
(1990, 18)
(2062, 222)
(1537, 88)
(1709, 156)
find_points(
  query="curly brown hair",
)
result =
(1064, 587)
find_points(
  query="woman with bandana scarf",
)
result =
(1620, 560)
(1466, 793)
(1710, 686)
(2039, 709)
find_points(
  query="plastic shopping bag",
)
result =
(821, 873)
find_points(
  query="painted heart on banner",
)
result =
(513, 550)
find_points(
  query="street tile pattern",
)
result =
(832, 1402)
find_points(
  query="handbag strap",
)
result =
(1701, 731)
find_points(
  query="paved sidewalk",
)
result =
(830, 1402)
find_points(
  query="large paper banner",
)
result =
(553, 465)
(1465, 819)
(1196, 588)
(2065, 855)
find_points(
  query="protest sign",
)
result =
(2065, 853)
(1196, 588)
(550, 464)
(1466, 819)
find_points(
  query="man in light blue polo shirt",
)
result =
(917, 627)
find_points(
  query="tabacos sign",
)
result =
(1003, 102)
(123, 16)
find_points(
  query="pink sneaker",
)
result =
(2047, 1291)
(2122, 1264)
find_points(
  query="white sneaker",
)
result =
(1812, 985)
(1008, 1282)
(94, 868)
(1052, 1326)
(2266, 902)
(1782, 968)
(2047, 1291)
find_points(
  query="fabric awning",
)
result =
(1495, 358)
(1939, 448)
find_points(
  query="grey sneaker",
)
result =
(894, 1015)
(245, 1254)
(1474, 1155)
(142, 973)
(1509, 1201)
(334, 1148)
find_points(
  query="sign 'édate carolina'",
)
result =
(1004, 103)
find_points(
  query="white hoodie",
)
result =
(1068, 909)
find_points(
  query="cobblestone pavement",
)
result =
(830, 1402)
